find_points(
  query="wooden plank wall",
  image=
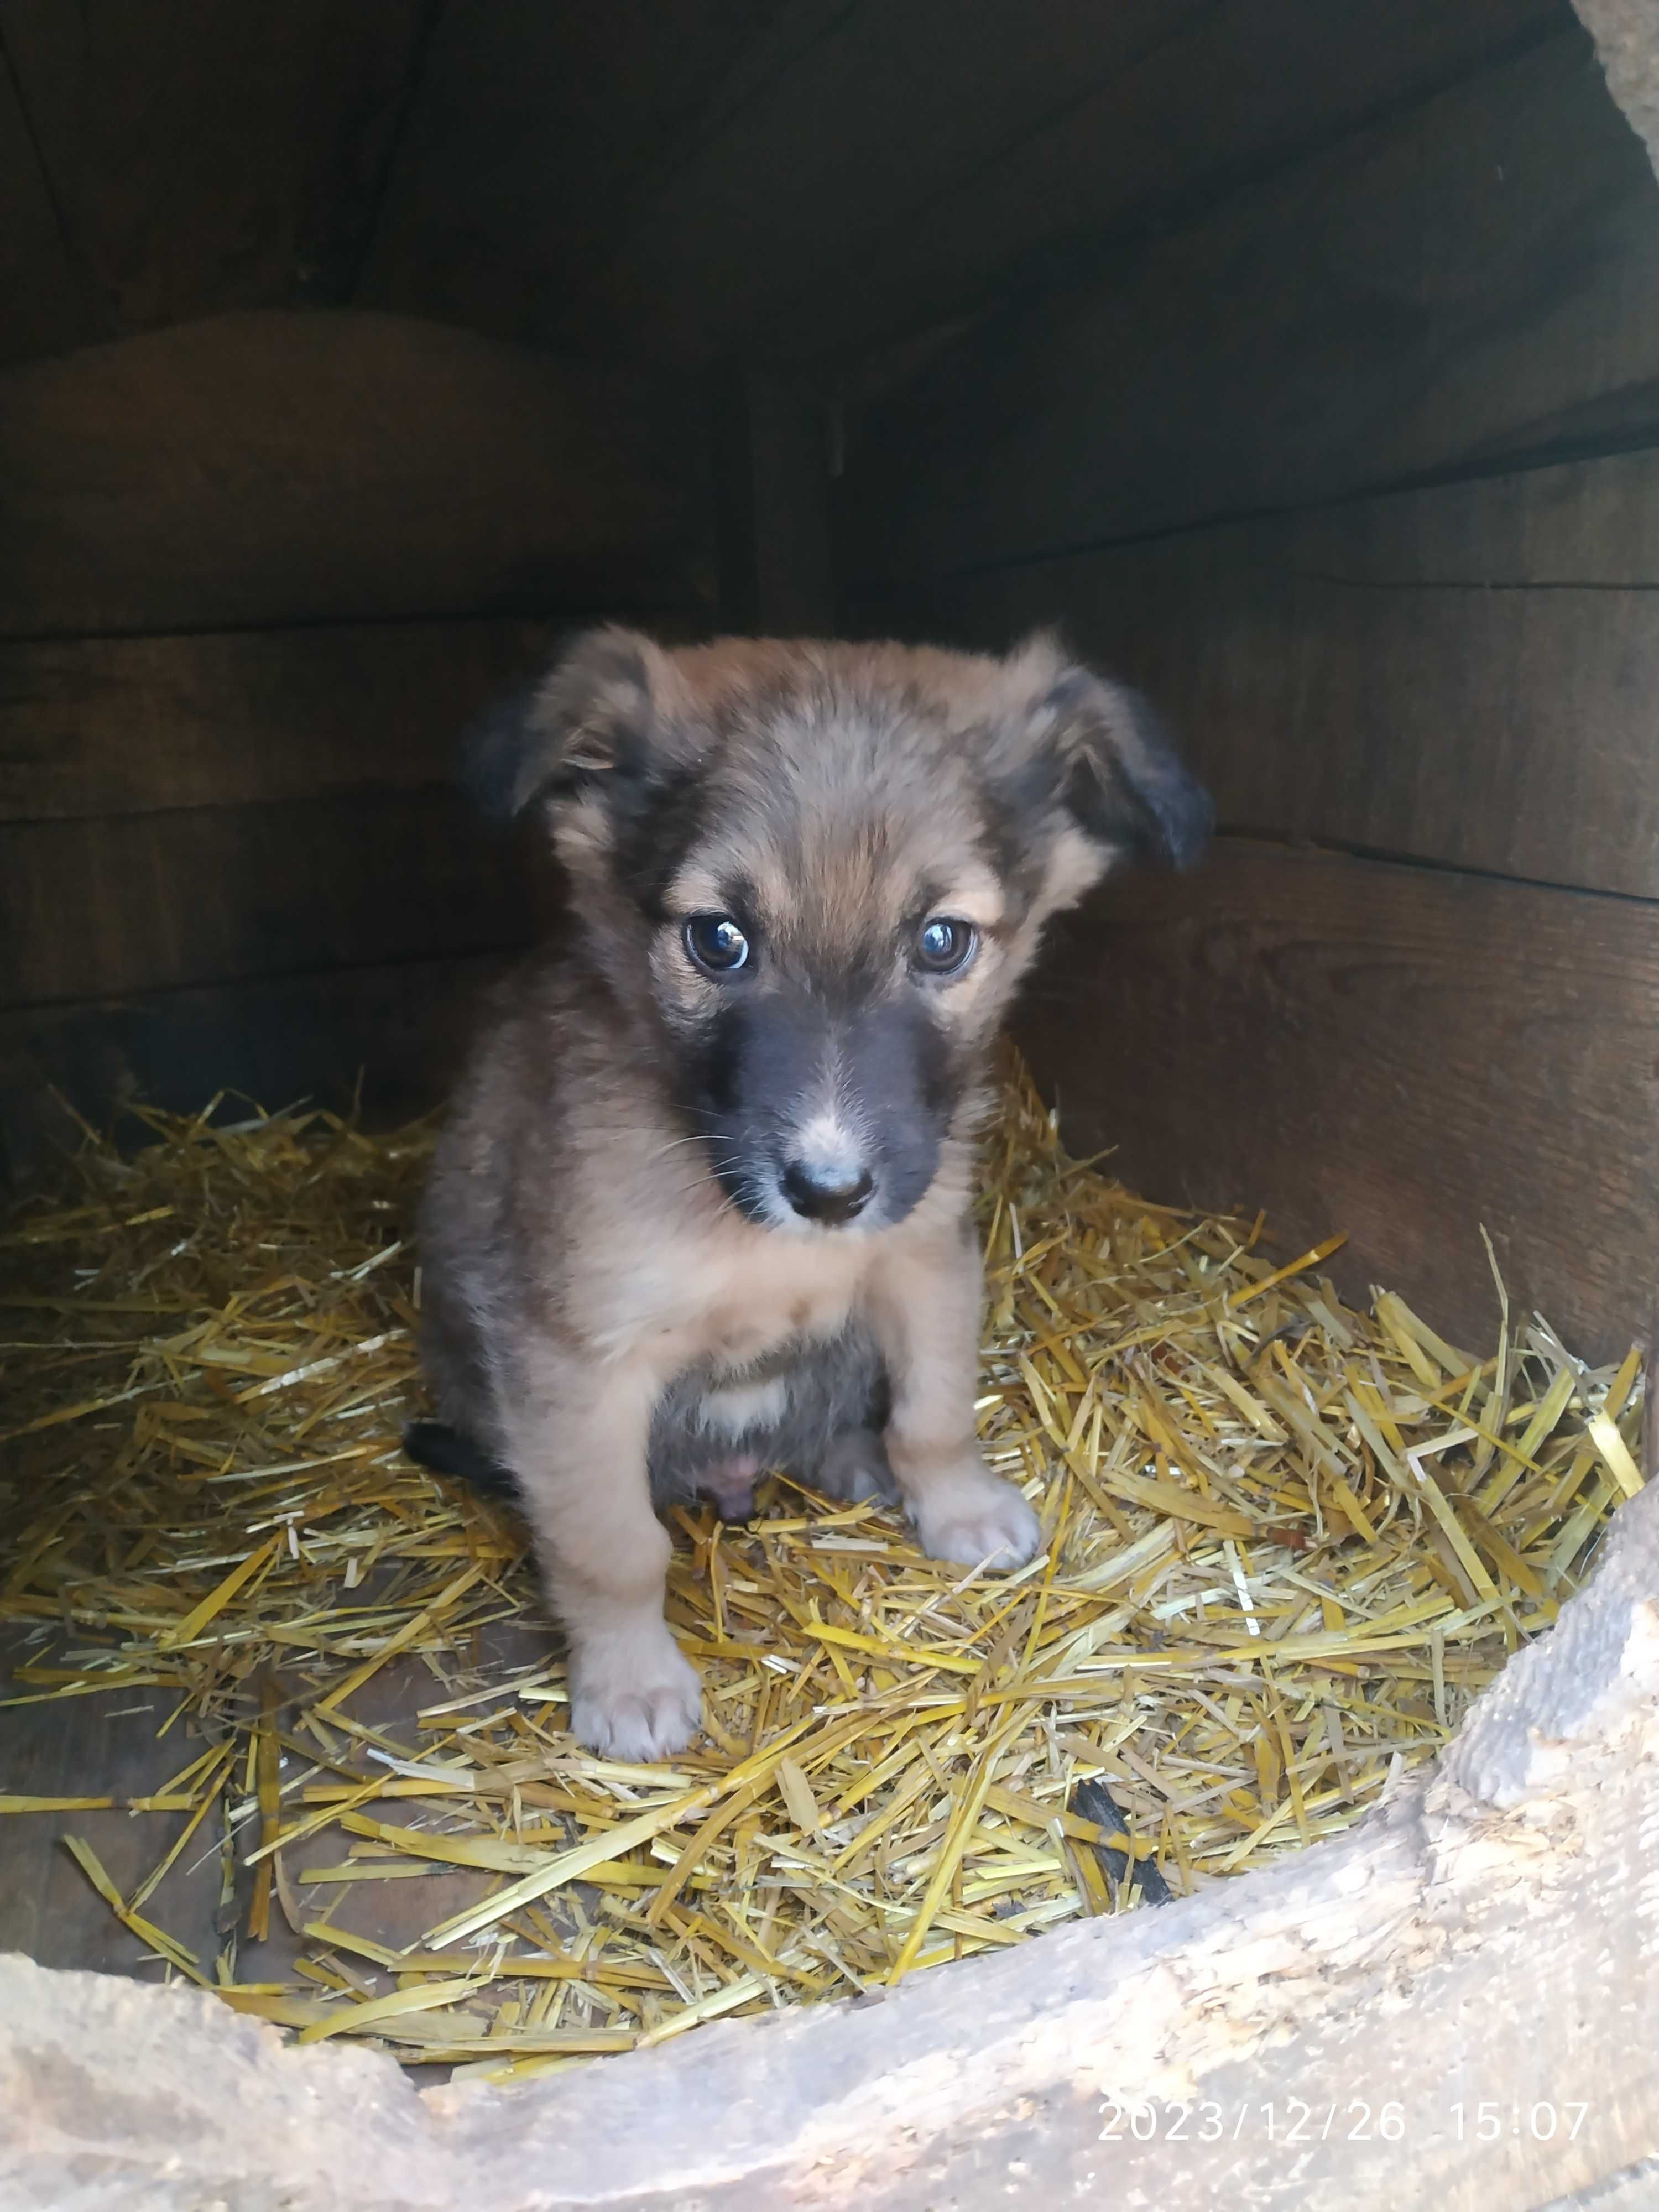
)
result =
(189, 157)
(786, 185)
(1357, 472)
(792, 183)
(256, 575)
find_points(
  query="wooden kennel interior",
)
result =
(1301, 362)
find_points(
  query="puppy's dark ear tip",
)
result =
(1180, 812)
(491, 758)
(511, 753)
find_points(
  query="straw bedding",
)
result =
(1284, 1543)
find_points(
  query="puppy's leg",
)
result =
(580, 1458)
(856, 1468)
(924, 1309)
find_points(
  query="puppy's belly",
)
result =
(736, 1409)
(784, 1412)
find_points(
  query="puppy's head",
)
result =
(815, 872)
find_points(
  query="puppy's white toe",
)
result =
(972, 1515)
(637, 1712)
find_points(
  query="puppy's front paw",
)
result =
(971, 1514)
(637, 1700)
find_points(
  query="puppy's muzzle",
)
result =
(828, 1196)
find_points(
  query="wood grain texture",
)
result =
(47, 1907)
(43, 306)
(1475, 278)
(1216, 99)
(534, 133)
(104, 1745)
(929, 158)
(1403, 1054)
(800, 182)
(390, 1036)
(771, 464)
(1469, 674)
(209, 155)
(268, 468)
(150, 901)
(588, 175)
(108, 726)
(858, 133)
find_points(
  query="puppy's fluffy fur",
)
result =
(702, 1206)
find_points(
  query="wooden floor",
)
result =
(106, 1746)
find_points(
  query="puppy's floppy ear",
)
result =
(595, 726)
(1116, 768)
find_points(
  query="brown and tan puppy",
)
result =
(702, 1206)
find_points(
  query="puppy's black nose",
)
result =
(827, 1195)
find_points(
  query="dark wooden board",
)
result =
(105, 1745)
(1477, 277)
(207, 156)
(535, 131)
(1403, 1054)
(928, 157)
(1467, 674)
(43, 306)
(772, 483)
(268, 468)
(391, 1036)
(1219, 98)
(148, 902)
(803, 180)
(854, 136)
(107, 726)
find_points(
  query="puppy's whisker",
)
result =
(677, 1144)
(702, 1183)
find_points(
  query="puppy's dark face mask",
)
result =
(813, 877)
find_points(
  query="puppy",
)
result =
(702, 1207)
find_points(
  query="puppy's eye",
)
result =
(943, 946)
(715, 943)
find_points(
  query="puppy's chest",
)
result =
(742, 1329)
(727, 1306)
